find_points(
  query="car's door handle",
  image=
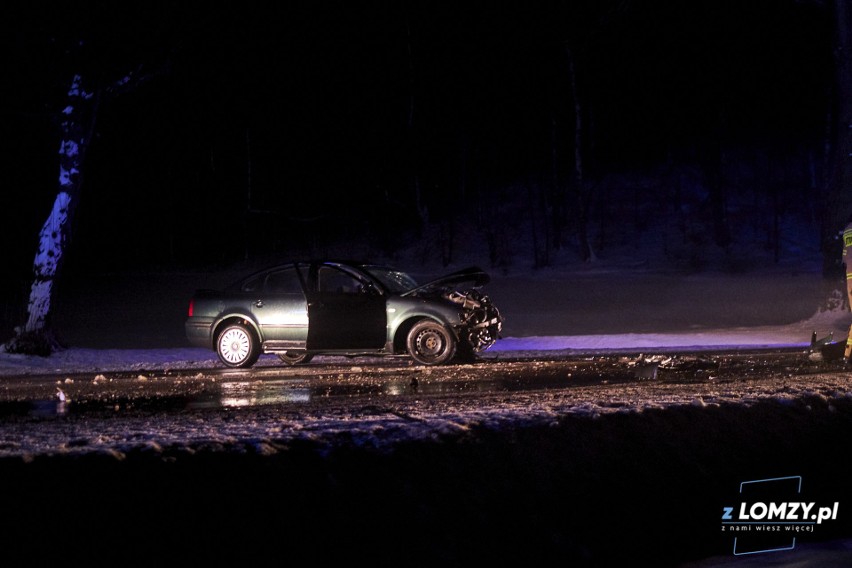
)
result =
(259, 304)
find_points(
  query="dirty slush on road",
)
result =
(416, 465)
(347, 376)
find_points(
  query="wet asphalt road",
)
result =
(580, 492)
(353, 380)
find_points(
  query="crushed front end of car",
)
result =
(481, 323)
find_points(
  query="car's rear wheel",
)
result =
(430, 343)
(295, 357)
(237, 346)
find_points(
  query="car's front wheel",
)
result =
(430, 343)
(295, 357)
(237, 346)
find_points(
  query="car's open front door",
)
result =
(345, 312)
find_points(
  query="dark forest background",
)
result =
(519, 134)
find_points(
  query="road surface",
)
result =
(582, 461)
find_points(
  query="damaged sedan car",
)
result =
(301, 309)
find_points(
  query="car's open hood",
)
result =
(473, 276)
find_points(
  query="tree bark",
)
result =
(77, 123)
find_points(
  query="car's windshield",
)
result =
(395, 281)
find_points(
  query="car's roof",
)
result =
(315, 261)
(473, 274)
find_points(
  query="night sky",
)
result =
(316, 114)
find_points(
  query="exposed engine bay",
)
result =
(482, 323)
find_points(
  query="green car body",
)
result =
(305, 308)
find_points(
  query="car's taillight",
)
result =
(191, 307)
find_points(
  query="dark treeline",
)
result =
(524, 133)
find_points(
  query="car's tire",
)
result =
(295, 357)
(430, 343)
(237, 346)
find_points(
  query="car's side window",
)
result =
(283, 282)
(335, 281)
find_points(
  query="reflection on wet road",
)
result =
(319, 381)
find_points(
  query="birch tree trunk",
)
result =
(78, 116)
